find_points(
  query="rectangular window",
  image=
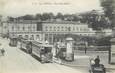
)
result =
(13, 28)
(50, 28)
(20, 36)
(46, 28)
(34, 28)
(54, 28)
(37, 37)
(39, 26)
(23, 28)
(18, 27)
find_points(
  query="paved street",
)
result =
(16, 61)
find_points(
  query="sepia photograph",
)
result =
(57, 36)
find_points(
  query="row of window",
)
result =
(24, 28)
(50, 28)
(32, 37)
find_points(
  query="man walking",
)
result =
(86, 44)
(2, 51)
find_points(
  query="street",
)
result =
(17, 61)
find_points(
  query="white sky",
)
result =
(22, 7)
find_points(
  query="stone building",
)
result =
(58, 31)
(52, 31)
(25, 29)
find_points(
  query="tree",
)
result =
(59, 16)
(11, 18)
(38, 16)
(45, 16)
(109, 9)
(28, 17)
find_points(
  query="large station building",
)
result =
(52, 31)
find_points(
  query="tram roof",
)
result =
(41, 43)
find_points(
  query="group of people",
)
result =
(2, 51)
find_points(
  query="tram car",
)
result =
(13, 41)
(43, 51)
(25, 45)
(61, 52)
(37, 48)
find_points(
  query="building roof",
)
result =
(61, 22)
(50, 22)
(24, 22)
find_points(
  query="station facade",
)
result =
(52, 31)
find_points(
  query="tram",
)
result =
(42, 50)
(13, 41)
(39, 49)
(65, 50)
(26, 45)
(60, 51)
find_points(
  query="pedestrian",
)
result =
(2, 51)
(86, 44)
(85, 50)
(97, 59)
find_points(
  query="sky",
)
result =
(22, 7)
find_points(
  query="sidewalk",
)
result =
(84, 62)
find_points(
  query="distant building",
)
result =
(57, 31)
(26, 29)
(0, 24)
(4, 28)
(52, 31)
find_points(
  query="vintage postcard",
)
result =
(57, 36)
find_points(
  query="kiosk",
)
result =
(69, 49)
(13, 41)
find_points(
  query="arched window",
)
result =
(62, 28)
(32, 37)
(20, 36)
(26, 36)
(50, 28)
(54, 28)
(58, 29)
